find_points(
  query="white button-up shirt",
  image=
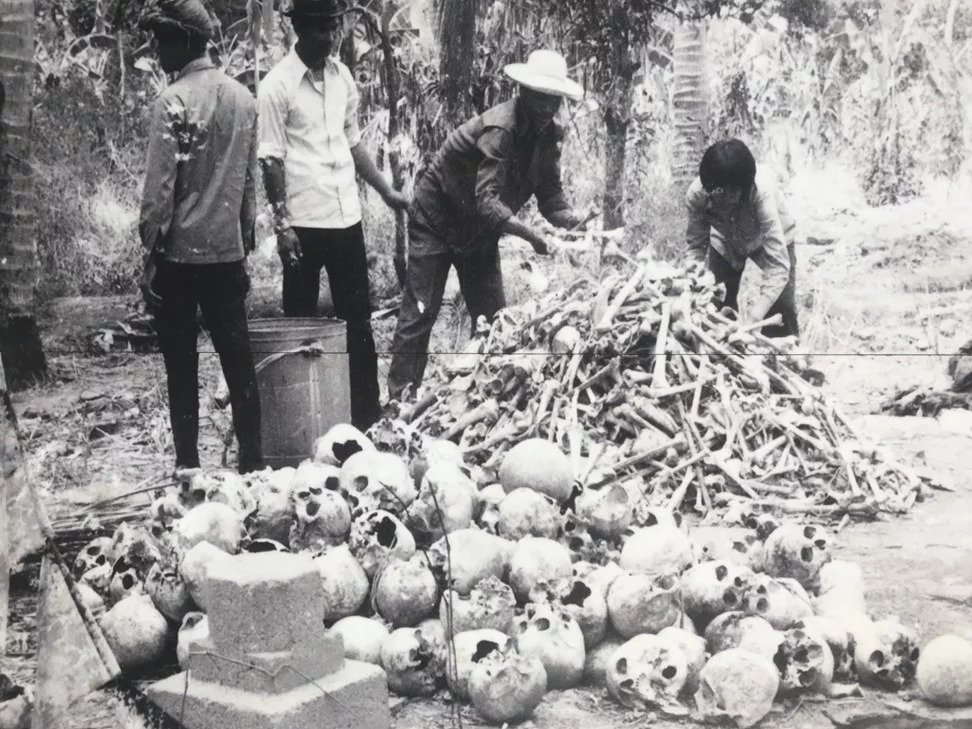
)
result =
(311, 124)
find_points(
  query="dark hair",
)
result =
(182, 37)
(728, 163)
(306, 21)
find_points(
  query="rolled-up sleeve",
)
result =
(158, 195)
(773, 258)
(492, 176)
(697, 229)
(352, 129)
(550, 186)
(272, 105)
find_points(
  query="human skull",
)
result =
(136, 633)
(643, 604)
(525, 512)
(658, 549)
(841, 589)
(538, 464)
(211, 522)
(738, 630)
(167, 509)
(317, 476)
(649, 515)
(886, 653)
(345, 582)
(586, 606)
(169, 592)
(805, 662)
(692, 647)
(321, 518)
(577, 538)
(414, 661)
(489, 605)
(648, 671)
(535, 560)
(608, 511)
(738, 684)
(796, 551)
(781, 602)
(598, 577)
(712, 588)
(218, 486)
(196, 566)
(944, 671)
(395, 436)
(466, 650)
(840, 642)
(377, 535)
(94, 554)
(193, 634)
(98, 578)
(362, 638)
(554, 637)
(405, 592)
(382, 478)
(125, 581)
(506, 687)
(340, 443)
(446, 502)
(468, 556)
(138, 547)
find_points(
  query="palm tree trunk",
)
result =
(20, 344)
(690, 102)
(617, 119)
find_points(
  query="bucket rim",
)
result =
(295, 322)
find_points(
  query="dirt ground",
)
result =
(866, 279)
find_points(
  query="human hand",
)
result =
(288, 248)
(397, 200)
(541, 245)
(249, 240)
(152, 299)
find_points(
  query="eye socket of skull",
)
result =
(729, 598)
(876, 659)
(669, 672)
(332, 483)
(762, 605)
(316, 490)
(820, 544)
(543, 624)
(806, 554)
(721, 572)
(128, 581)
(199, 494)
(575, 543)
(621, 666)
(361, 483)
(665, 582)
(312, 508)
(809, 532)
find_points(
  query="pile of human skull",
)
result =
(503, 591)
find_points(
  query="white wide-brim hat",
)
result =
(546, 72)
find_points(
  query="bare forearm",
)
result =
(564, 218)
(274, 182)
(365, 166)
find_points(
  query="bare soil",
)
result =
(866, 278)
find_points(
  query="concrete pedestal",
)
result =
(268, 662)
(355, 697)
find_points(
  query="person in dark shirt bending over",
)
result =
(482, 176)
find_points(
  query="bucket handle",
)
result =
(308, 348)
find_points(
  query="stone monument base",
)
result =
(353, 697)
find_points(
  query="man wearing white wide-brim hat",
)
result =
(482, 176)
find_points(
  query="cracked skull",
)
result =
(95, 553)
(805, 662)
(840, 641)
(584, 604)
(466, 650)
(345, 582)
(446, 502)
(712, 588)
(469, 556)
(886, 653)
(737, 684)
(489, 605)
(413, 659)
(648, 670)
(340, 443)
(375, 536)
(554, 637)
(643, 604)
(405, 591)
(796, 551)
(608, 511)
(738, 630)
(321, 518)
(382, 477)
(657, 550)
(506, 687)
(536, 560)
(525, 512)
(781, 602)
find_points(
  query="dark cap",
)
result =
(189, 16)
(317, 9)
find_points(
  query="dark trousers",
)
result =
(220, 290)
(341, 252)
(429, 261)
(784, 305)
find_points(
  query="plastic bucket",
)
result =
(304, 382)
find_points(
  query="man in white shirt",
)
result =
(310, 151)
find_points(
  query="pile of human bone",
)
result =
(500, 592)
(643, 370)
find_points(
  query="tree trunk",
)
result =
(23, 356)
(392, 87)
(690, 103)
(457, 38)
(617, 119)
